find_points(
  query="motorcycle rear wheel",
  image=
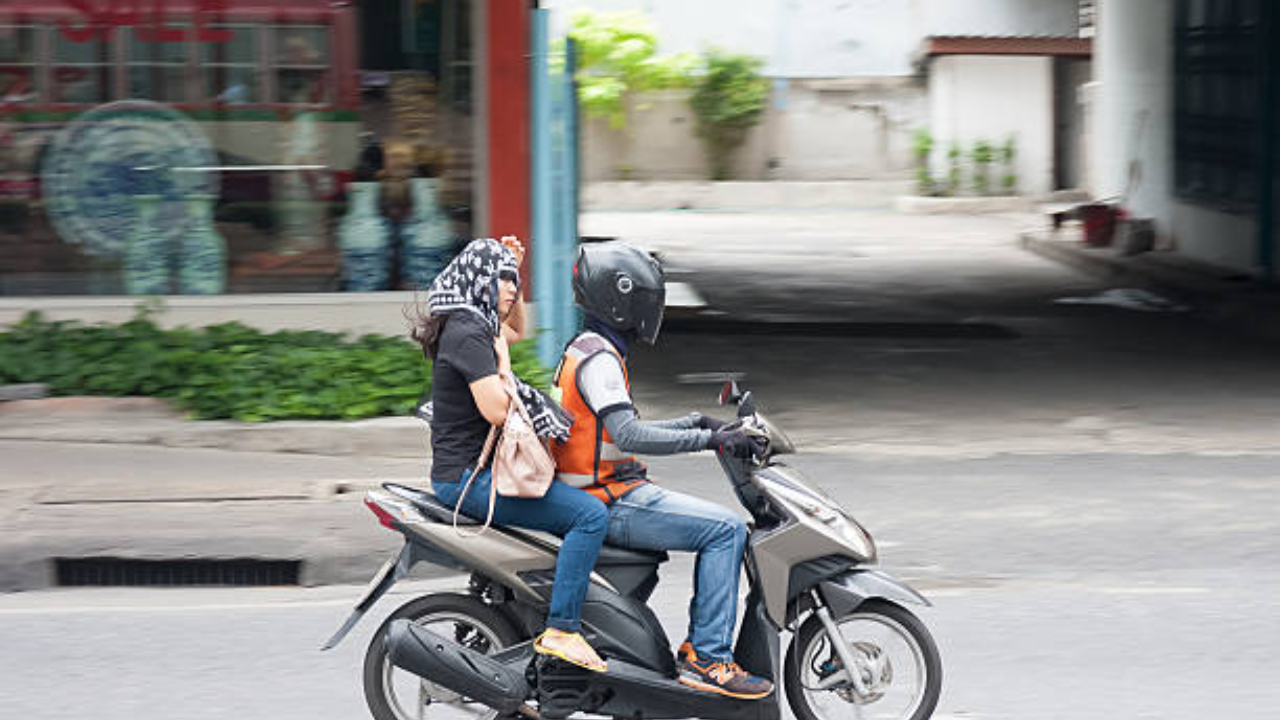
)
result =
(462, 617)
(897, 658)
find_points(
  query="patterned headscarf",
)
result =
(470, 284)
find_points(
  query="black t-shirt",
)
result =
(458, 430)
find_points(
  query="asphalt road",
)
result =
(1096, 586)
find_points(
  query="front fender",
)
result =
(844, 593)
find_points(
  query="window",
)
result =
(301, 64)
(1217, 49)
(81, 70)
(17, 65)
(231, 68)
(157, 70)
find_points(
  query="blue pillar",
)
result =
(543, 245)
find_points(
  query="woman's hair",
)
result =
(426, 327)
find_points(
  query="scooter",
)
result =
(855, 648)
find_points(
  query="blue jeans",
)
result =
(652, 518)
(579, 518)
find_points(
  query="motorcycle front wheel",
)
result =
(395, 694)
(895, 656)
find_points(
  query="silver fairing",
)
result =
(501, 554)
(815, 527)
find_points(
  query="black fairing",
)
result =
(623, 627)
(617, 626)
(811, 572)
(633, 581)
(758, 650)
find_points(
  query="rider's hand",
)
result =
(733, 442)
(708, 423)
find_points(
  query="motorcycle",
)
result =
(855, 647)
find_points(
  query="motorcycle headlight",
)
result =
(841, 525)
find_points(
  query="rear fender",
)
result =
(410, 554)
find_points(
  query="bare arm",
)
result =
(489, 392)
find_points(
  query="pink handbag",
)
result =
(522, 465)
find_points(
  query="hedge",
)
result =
(230, 370)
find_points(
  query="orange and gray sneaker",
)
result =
(725, 678)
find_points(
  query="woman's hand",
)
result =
(513, 244)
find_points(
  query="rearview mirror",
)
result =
(730, 393)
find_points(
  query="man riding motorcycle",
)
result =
(622, 291)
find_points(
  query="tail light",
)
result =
(384, 517)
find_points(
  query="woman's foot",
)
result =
(569, 647)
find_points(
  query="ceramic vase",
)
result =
(202, 254)
(363, 236)
(426, 239)
(146, 253)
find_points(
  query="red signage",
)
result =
(147, 16)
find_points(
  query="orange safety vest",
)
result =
(589, 459)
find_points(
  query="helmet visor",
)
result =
(649, 306)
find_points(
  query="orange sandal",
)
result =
(594, 664)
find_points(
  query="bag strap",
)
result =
(493, 489)
(509, 382)
(485, 455)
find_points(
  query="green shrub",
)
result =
(1008, 153)
(922, 148)
(616, 56)
(982, 155)
(729, 99)
(230, 370)
(953, 169)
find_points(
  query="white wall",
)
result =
(828, 130)
(974, 97)
(1133, 134)
(1001, 17)
(830, 38)
(797, 38)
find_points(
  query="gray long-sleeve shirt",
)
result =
(604, 388)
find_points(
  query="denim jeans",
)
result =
(579, 518)
(652, 518)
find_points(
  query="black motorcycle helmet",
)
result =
(622, 286)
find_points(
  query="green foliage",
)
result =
(982, 154)
(616, 56)
(230, 370)
(729, 99)
(922, 146)
(1008, 152)
(953, 169)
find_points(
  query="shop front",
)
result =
(232, 147)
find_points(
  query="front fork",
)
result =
(837, 642)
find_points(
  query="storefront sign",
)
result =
(98, 17)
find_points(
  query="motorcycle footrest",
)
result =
(561, 687)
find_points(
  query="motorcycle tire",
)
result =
(444, 606)
(812, 630)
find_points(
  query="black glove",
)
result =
(708, 423)
(733, 442)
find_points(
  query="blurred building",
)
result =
(249, 146)
(855, 79)
(1183, 114)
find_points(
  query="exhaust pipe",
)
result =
(452, 666)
